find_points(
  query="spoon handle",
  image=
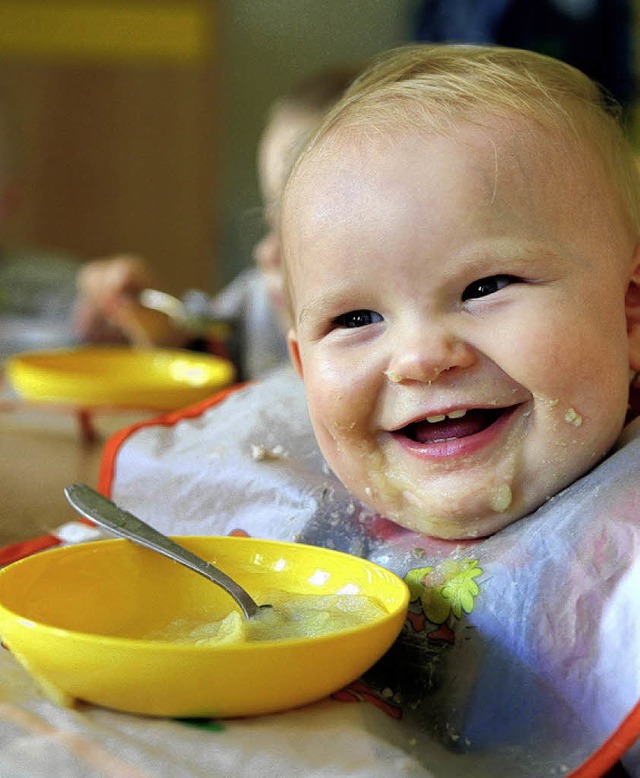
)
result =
(100, 510)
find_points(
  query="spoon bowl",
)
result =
(79, 619)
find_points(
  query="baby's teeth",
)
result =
(441, 416)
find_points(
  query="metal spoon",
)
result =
(165, 303)
(194, 318)
(94, 506)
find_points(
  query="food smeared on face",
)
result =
(452, 298)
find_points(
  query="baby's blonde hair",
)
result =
(435, 87)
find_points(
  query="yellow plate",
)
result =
(118, 376)
(77, 618)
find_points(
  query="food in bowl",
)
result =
(287, 617)
(78, 618)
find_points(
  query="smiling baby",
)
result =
(461, 254)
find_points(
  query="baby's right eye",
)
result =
(360, 318)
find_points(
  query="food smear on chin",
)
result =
(501, 498)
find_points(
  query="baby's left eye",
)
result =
(360, 318)
(489, 285)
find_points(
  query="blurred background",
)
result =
(132, 125)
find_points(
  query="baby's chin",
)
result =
(473, 518)
(445, 527)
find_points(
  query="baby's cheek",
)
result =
(342, 410)
(333, 415)
(338, 434)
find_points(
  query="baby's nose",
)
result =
(424, 354)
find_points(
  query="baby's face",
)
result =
(459, 319)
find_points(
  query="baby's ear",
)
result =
(632, 308)
(294, 352)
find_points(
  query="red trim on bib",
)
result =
(613, 748)
(24, 548)
(114, 442)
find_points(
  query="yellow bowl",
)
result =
(76, 618)
(106, 376)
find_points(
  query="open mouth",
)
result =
(454, 425)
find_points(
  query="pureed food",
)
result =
(297, 616)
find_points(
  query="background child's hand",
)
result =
(108, 308)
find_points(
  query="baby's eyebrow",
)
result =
(516, 253)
